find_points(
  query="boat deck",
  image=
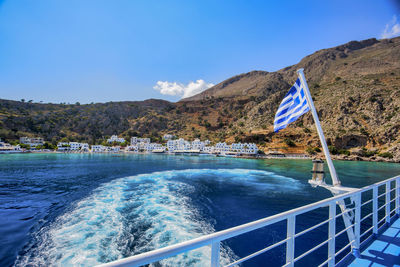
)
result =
(380, 250)
(384, 250)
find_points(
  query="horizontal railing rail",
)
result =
(354, 213)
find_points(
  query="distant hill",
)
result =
(90, 122)
(356, 88)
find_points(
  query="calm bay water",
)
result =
(82, 209)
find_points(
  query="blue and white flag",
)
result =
(292, 107)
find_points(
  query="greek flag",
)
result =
(292, 107)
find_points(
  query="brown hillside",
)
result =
(356, 88)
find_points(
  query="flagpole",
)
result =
(335, 179)
(335, 189)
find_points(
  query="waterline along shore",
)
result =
(258, 156)
(174, 146)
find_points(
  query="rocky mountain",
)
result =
(355, 87)
(356, 90)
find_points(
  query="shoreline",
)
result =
(283, 156)
(359, 158)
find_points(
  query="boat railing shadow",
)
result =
(385, 249)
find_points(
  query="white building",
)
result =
(181, 145)
(133, 140)
(178, 145)
(99, 148)
(250, 148)
(85, 147)
(133, 148)
(221, 148)
(198, 145)
(63, 146)
(114, 149)
(236, 148)
(7, 148)
(171, 146)
(32, 141)
(154, 147)
(143, 140)
(115, 138)
(74, 146)
(147, 147)
(136, 140)
(168, 137)
(209, 149)
(140, 143)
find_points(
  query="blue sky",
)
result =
(99, 51)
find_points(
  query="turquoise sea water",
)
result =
(83, 209)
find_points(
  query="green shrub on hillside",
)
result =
(364, 132)
(289, 142)
(25, 146)
(313, 150)
(333, 150)
(368, 153)
(310, 150)
(344, 152)
(386, 155)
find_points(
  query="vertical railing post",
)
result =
(215, 251)
(357, 224)
(375, 210)
(387, 203)
(332, 233)
(397, 196)
(291, 231)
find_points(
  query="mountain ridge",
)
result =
(355, 86)
(319, 57)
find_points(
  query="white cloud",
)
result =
(392, 29)
(168, 88)
(179, 89)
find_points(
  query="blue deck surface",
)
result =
(384, 250)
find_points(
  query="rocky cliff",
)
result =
(356, 90)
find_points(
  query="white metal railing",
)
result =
(390, 187)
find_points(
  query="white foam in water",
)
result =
(136, 214)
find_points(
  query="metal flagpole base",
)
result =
(334, 189)
(356, 253)
(347, 216)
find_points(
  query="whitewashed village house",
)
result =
(115, 138)
(179, 145)
(140, 144)
(73, 146)
(99, 148)
(31, 141)
(6, 147)
(168, 137)
(63, 146)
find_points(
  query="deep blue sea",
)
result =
(86, 209)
